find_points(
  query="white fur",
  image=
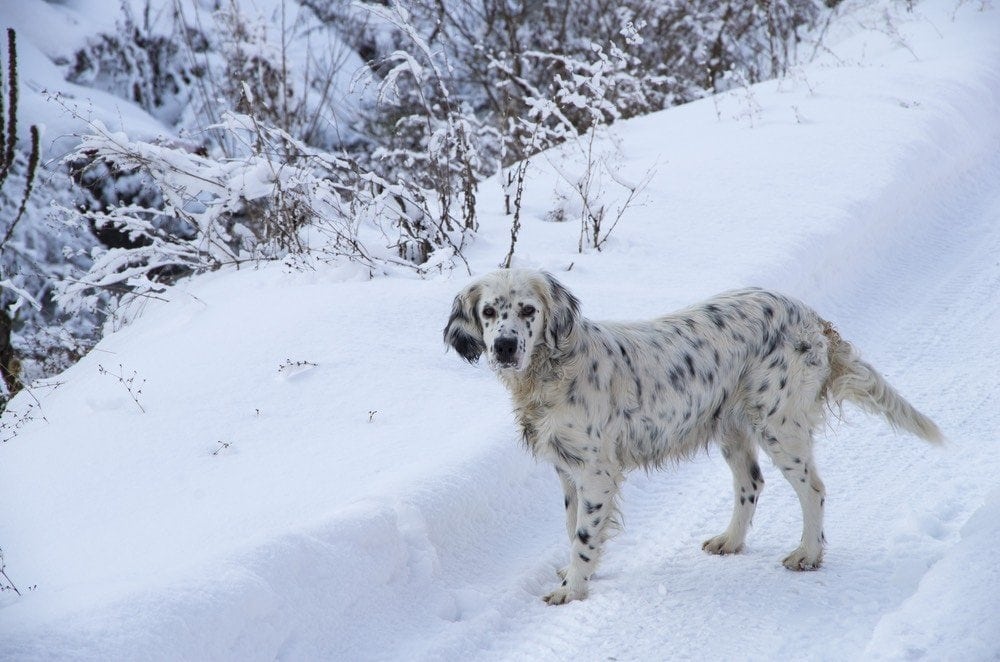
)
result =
(747, 369)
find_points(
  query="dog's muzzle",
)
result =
(505, 351)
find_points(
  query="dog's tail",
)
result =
(853, 379)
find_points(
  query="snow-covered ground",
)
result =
(284, 463)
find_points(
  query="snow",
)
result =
(284, 463)
(48, 33)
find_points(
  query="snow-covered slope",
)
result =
(284, 463)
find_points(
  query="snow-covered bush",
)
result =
(279, 197)
(435, 139)
(140, 64)
(504, 56)
(188, 64)
(35, 337)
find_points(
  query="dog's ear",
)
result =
(463, 330)
(563, 311)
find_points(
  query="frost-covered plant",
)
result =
(131, 386)
(6, 584)
(581, 92)
(434, 137)
(502, 54)
(574, 108)
(17, 179)
(137, 63)
(593, 189)
(292, 59)
(187, 64)
(279, 197)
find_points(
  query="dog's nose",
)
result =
(504, 348)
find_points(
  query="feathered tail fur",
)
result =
(855, 380)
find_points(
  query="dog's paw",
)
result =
(565, 594)
(721, 544)
(802, 559)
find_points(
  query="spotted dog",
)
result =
(747, 369)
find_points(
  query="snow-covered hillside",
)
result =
(284, 463)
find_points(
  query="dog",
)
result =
(746, 369)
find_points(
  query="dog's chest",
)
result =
(558, 434)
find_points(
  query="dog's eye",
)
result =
(527, 311)
(489, 312)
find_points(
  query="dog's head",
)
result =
(509, 314)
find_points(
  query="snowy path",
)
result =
(922, 305)
(895, 507)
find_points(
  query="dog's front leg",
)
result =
(596, 493)
(570, 501)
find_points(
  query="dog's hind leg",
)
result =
(790, 448)
(741, 455)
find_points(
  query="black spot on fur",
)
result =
(565, 452)
(584, 557)
(713, 314)
(529, 433)
(676, 379)
(771, 341)
(592, 508)
(583, 535)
